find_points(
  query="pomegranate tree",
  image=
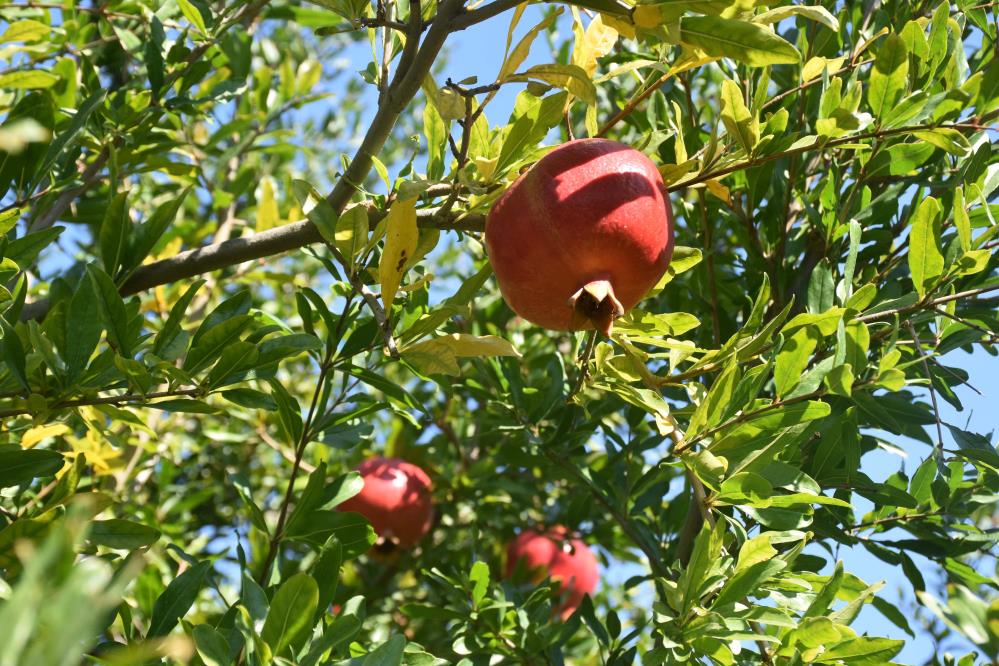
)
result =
(582, 236)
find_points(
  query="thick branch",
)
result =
(239, 250)
(470, 18)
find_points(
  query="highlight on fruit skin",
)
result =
(556, 554)
(396, 500)
(582, 236)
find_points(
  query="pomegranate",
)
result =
(554, 553)
(395, 500)
(582, 236)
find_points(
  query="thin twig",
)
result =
(987, 333)
(893, 519)
(883, 314)
(853, 138)
(584, 365)
(929, 378)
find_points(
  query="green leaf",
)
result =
(289, 620)
(745, 582)
(821, 288)
(28, 80)
(760, 428)
(864, 651)
(235, 358)
(154, 56)
(534, 118)
(739, 120)
(350, 529)
(147, 234)
(184, 406)
(27, 30)
(17, 467)
(68, 137)
(815, 13)
(250, 398)
(945, 138)
(26, 249)
(212, 646)
(193, 14)
(926, 262)
(793, 358)
(387, 654)
(82, 329)
(479, 576)
(961, 220)
(237, 304)
(122, 534)
(215, 342)
(115, 232)
(112, 309)
(748, 43)
(172, 327)
(12, 353)
(177, 599)
(707, 550)
(889, 76)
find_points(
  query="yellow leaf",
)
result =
(674, 172)
(647, 16)
(596, 42)
(815, 66)
(37, 434)
(267, 207)
(567, 77)
(523, 48)
(717, 189)
(401, 237)
(100, 455)
(487, 167)
(440, 355)
(623, 27)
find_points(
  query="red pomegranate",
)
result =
(554, 553)
(582, 236)
(395, 500)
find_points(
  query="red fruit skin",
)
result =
(590, 209)
(553, 553)
(395, 499)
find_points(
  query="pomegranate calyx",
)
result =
(595, 306)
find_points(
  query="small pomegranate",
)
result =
(582, 236)
(395, 500)
(554, 553)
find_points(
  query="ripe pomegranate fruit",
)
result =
(582, 236)
(395, 500)
(554, 553)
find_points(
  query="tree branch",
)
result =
(818, 145)
(470, 18)
(922, 305)
(414, 65)
(106, 400)
(239, 250)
